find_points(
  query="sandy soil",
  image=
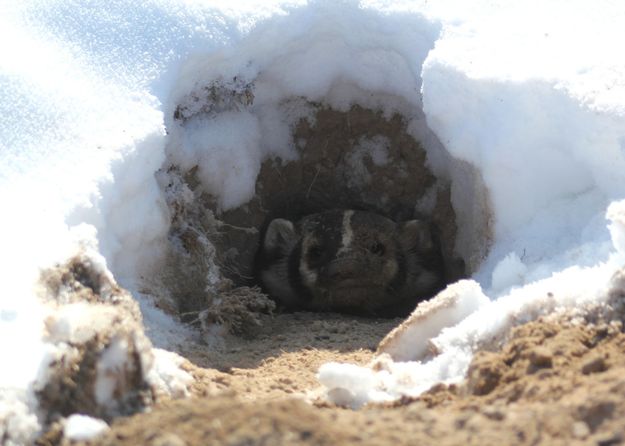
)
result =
(282, 359)
(551, 383)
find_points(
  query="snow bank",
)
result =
(528, 100)
(96, 98)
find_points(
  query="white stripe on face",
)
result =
(348, 233)
(308, 275)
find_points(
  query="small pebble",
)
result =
(580, 429)
(541, 357)
(493, 412)
(168, 439)
(595, 364)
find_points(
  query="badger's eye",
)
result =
(315, 252)
(378, 249)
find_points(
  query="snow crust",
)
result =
(512, 89)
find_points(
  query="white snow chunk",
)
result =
(83, 428)
(411, 340)
(352, 385)
(225, 148)
(376, 148)
(78, 322)
(110, 368)
(18, 424)
(167, 375)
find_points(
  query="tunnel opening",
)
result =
(359, 157)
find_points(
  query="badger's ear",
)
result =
(280, 235)
(416, 235)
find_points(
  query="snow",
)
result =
(616, 214)
(83, 428)
(508, 272)
(111, 363)
(375, 149)
(231, 156)
(411, 340)
(167, 376)
(17, 420)
(512, 90)
(75, 323)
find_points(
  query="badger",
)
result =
(351, 261)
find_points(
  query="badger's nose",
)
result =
(344, 268)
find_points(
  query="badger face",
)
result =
(350, 261)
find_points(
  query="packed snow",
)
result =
(89, 95)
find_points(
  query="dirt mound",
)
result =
(551, 383)
(100, 356)
(228, 421)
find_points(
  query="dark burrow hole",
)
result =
(355, 160)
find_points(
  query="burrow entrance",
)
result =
(355, 159)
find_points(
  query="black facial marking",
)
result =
(295, 279)
(325, 229)
(399, 279)
(315, 255)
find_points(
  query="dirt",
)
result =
(282, 358)
(551, 383)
